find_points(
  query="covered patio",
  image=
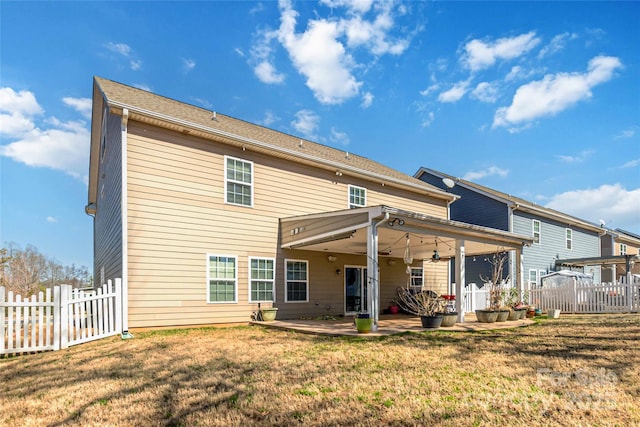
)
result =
(380, 232)
(389, 324)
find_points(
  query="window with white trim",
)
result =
(261, 279)
(569, 238)
(536, 231)
(533, 279)
(623, 249)
(417, 277)
(357, 197)
(238, 181)
(222, 278)
(296, 287)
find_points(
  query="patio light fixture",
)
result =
(436, 256)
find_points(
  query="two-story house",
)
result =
(556, 235)
(205, 216)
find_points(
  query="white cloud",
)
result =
(555, 93)
(455, 93)
(631, 164)
(262, 59)
(56, 145)
(339, 137)
(269, 118)
(306, 123)
(426, 122)
(51, 219)
(16, 111)
(627, 133)
(266, 72)
(432, 88)
(188, 64)
(323, 53)
(367, 100)
(81, 105)
(143, 86)
(485, 92)
(319, 56)
(578, 158)
(125, 50)
(479, 54)
(556, 44)
(607, 201)
(490, 171)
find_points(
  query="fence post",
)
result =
(124, 298)
(629, 291)
(3, 317)
(574, 296)
(65, 300)
(57, 310)
(118, 303)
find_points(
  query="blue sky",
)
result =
(537, 99)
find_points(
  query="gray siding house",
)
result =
(557, 236)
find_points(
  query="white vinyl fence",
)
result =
(60, 317)
(574, 297)
(623, 296)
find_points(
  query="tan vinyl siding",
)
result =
(108, 218)
(177, 216)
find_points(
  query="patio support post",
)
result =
(519, 276)
(373, 272)
(460, 279)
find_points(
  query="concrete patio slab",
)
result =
(387, 325)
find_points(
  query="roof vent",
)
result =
(215, 117)
(300, 144)
(346, 155)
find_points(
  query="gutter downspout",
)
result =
(373, 273)
(124, 212)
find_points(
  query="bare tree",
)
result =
(26, 271)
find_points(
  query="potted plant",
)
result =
(363, 323)
(495, 293)
(268, 314)
(393, 307)
(426, 304)
(449, 313)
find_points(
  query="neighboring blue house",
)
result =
(559, 236)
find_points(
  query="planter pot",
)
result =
(431, 322)
(554, 313)
(393, 309)
(538, 312)
(522, 312)
(486, 316)
(449, 319)
(363, 324)
(268, 314)
(531, 312)
(514, 315)
(503, 315)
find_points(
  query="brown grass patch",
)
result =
(576, 370)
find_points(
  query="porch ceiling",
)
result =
(346, 232)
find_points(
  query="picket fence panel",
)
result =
(59, 317)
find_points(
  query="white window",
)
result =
(569, 238)
(296, 281)
(533, 278)
(357, 197)
(536, 231)
(417, 277)
(623, 249)
(261, 279)
(238, 182)
(222, 278)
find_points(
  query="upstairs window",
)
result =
(296, 281)
(623, 249)
(357, 197)
(238, 182)
(569, 238)
(222, 280)
(536, 231)
(262, 276)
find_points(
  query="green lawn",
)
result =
(574, 371)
